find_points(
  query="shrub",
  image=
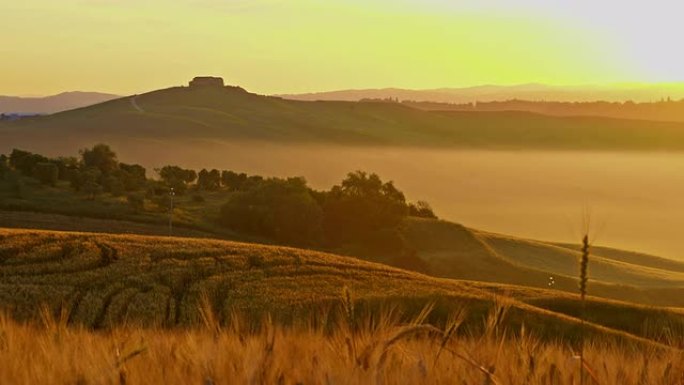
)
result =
(4, 166)
(163, 201)
(24, 161)
(360, 207)
(177, 178)
(91, 189)
(67, 167)
(136, 202)
(209, 180)
(133, 176)
(90, 175)
(233, 180)
(101, 157)
(114, 185)
(280, 209)
(421, 209)
(17, 186)
(47, 173)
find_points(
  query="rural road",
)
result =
(134, 103)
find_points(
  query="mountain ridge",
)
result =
(492, 93)
(53, 103)
(233, 114)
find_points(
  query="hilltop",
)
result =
(231, 114)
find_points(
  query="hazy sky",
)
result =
(277, 46)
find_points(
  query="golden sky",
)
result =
(288, 46)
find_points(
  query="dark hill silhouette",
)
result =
(665, 110)
(491, 93)
(231, 113)
(51, 104)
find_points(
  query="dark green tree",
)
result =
(24, 161)
(91, 189)
(102, 157)
(361, 207)
(114, 184)
(279, 209)
(46, 172)
(4, 166)
(209, 180)
(67, 167)
(136, 202)
(133, 176)
(177, 178)
(421, 209)
(89, 176)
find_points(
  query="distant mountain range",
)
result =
(490, 93)
(233, 114)
(51, 104)
(639, 93)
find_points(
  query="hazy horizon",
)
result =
(347, 44)
(531, 194)
(617, 87)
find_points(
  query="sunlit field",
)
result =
(377, 192)
(380, 352)
(539, 195)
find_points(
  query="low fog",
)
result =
(633, 197)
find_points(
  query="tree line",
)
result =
(362, 212)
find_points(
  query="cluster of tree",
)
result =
(207, 180)
(97, 170)
(4, 166)
(362, 212)
(284, 210)
(663, 110)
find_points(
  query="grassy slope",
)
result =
(233, 114)
(108, 279)
(454, 251)
(46, 207)
(451, 250)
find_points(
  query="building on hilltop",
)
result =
(206, 81)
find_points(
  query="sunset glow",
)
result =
(272, 46)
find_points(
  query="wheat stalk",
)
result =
(584, 264)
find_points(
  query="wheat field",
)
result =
(381, 352)
(104, 281)
(87, 308)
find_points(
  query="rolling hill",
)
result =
(491, 93)
(235, 115)
(51, 104)
(454, 251)
(449, 250)
(104, 280)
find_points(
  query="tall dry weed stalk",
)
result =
(392, 352)
(208, 316)
(584, 264)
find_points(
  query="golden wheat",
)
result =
(53, 353)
